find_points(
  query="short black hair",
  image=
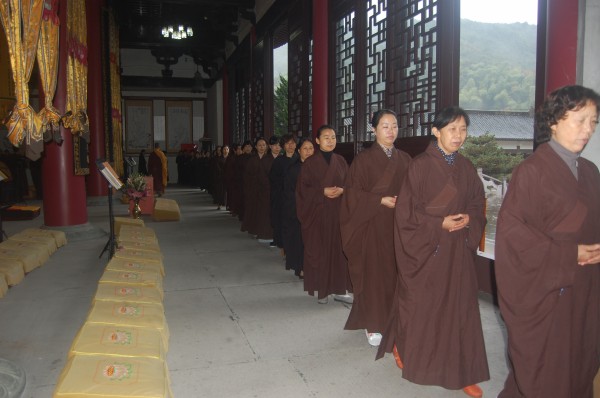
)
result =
(448, 115)
(557, 104)
(323, 128)
(377, 115)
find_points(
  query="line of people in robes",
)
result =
(402, 235)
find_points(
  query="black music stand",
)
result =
(113, 182)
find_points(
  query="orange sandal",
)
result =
(473, 391)
(397, 358)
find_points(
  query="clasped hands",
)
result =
(333, 192)
(588, 254)
(455, 222)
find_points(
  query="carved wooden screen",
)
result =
(258, 89)
(298, 69)
(412, 72)
(344, 77)
(375, 67)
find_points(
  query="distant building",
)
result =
(513, 130)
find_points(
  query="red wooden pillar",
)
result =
(96, 185)
(561, 43)
(64, 192)
(320, 81)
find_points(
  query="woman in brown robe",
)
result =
(547, 255)
(257, 205)
(290, 225)
(318, 201)
(367, 226)
(240, 167)
(435, 322)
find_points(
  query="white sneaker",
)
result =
(373, 338)
(324, 300)
(344, 298)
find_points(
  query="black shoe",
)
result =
(272, 244)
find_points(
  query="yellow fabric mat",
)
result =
(137, 230)
(86, 376)
(59, 236)
(131, 293)
(12, 270)
(132, 236)
(47, 241)
(166, 210)
(147, 278)
(117, 340)
(139, 255)
(3, 286)
(130, 314)
(122, 221)
(121, 264)
(30, 258)
(144, 246)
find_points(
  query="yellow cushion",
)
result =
(116, 340)
(132, 236)
(132, 293)
(3, 286)
(121, 221)
(120, 264)
(130, 314)
(12, 270)
(47, 241)
(137, 229)
(86, 376)
(139, 255)
(146, 278)
(144, 246)
(166, 210)
(31, 258)
(59, 236)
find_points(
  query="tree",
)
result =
(281, 107)
(485, 153)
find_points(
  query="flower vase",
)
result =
(137, 211)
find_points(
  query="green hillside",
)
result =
(497, 66)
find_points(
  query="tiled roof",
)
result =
(503, 125)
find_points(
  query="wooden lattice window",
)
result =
(375, 63)
(344, 77)
(258, 86)
(412, 68)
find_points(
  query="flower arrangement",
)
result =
(136, 186)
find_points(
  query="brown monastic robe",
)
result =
(550, 304)
(230, 183)
(435, 321)
(325, 266)
(257, 205)
(238, 204)
(367, 229)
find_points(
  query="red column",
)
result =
(320, 82)
(96, 185)
(561, 43)
(64, 192)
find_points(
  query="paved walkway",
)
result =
(241, 326)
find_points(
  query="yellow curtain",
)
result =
(115, 96)
(47, 57)
(21, 21)
(75, 117)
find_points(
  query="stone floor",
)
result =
(241, 326)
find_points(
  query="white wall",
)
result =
(590, 65)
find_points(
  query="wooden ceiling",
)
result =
(214, 22)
